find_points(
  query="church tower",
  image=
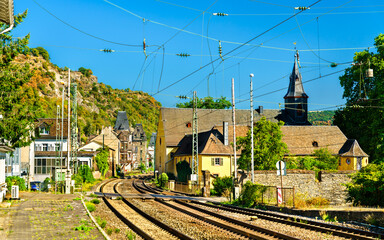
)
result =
(296, 100)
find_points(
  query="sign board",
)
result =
(194, 177)
(283, 170)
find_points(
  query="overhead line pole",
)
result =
(252, 153)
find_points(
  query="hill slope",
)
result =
(97, 103)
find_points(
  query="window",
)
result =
(217, 161)
(339, 161)
(46, 165)
(45, 146)
(44, 130)
(315, 144)
(188, 125)
(299, 110)
(348, 161)
(57, 146)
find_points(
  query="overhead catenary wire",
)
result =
(259, 35)
(83, 32)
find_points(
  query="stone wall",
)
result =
(328, 184)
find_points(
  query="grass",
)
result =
(303, 202)
(102, 223)
(325, 216)
(84, 226)
(90, 206)
(130, 235)
(68, 207)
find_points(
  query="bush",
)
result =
(250, 194)
(222, 185)
(367, 186)
(15, 180)
(183, 171)
(163, 180)
(102, 161)
(86, 72)
(95, 201)
(142, 168)
(90, 206)
(42, 52)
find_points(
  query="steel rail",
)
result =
(125, 220)
(160, 224)
(233, 221)
(304, 223)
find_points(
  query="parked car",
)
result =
(35, 186)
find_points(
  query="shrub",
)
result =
(86, 72)
(42, 52)
(109, 231)
(367, 186)
(15, 180)
(90, 206)
(250, 194)
(163, 180)
(142, 168)
(131, 235)
(95, 201)
(183, 171)
(52, 85)
(222, 185)
(102, 161)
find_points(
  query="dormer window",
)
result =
(44, 130)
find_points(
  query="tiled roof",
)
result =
(51, 124)
(304, 140)
(175, 120)
(351, 148)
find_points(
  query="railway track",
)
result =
(145, 226)
(329, 229)
(229, 224)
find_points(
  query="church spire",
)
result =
(296, 100)
(295, 88)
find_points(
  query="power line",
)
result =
(83, 32)
(261, 34)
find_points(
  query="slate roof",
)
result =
(295, 88)
(175, 120)
(351, 148)
(138, 133)
(122, 122)
(302, 140)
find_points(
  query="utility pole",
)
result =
(74, 138)
(68, 175)
(62, 136)
(195, 141)
(236, 184)
(57, 144)
(252, 154)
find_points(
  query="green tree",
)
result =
(207, 103)
(19, 102)
(367, 186)
(183, 171)
(361, 119)
(102, 161)
(322, 159)
(222, 185)
(268, 147)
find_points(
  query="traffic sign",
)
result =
(283, 170)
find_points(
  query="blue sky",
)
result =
(342, 26)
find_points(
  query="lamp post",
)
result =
(252, 156)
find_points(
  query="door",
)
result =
(358, 164)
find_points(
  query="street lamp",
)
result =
(252, 157)
(6, 14)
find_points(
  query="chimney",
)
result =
(260, 110)
(225, 133)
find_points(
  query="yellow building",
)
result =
(352, 157)
(214, 155)
(176, 123)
